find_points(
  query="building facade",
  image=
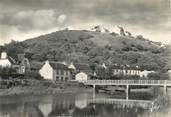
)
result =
(56, 71)
(23, 64)
(81, 76)
(80, 72)
(125, 70)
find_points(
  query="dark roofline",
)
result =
(57, 65)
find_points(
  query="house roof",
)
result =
(20, 57)
(85, 67)
(12, 61)
(34, 65)
(125, 67)
(57, 65)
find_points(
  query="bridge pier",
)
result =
(127, 92)
(165, 89)
(94, 90)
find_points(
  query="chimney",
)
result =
(47, 62)
(3, 55)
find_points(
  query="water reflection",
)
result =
(70, 105)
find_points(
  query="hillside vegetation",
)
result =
(93, 47)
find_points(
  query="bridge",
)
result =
(127, 83)
(146, 104)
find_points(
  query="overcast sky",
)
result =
(22, 19)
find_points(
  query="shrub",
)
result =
(32, 75)
(158, 76)
(6, 72)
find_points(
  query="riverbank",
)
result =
(37, 87)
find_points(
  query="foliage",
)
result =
(14, 48)
(93, 48)
(32, 75)
(158, 76)
(6, 72)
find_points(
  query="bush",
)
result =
(32, 75)
(158, 76)
(6, 72)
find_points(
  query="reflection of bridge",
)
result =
(123, 102)
(127, 83)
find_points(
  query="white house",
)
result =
(47, 71)
(169, 73)
(4, 61)
(55, 71)
(81, 76)
(145, 73)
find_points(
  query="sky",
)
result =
(23, 19)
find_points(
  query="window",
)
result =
(68, 73)
(23, 69)
(62, 72)
(57, 71)
(57, 78)
(66, 78)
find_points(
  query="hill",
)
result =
(93, 48)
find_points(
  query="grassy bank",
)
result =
(36, 87)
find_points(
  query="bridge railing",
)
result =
(128, 81)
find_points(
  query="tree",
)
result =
(6, 72)
(122, 32)
(32, 75)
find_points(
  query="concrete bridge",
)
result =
(127, 83)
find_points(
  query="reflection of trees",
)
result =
(111, 110)
(11, 109)
(65, 105)
(32, 110)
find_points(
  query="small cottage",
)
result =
(145, 73)
(81, 71)
(81, 76)
(55, 71)
(23, 63)
(80, 67)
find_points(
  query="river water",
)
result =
(72, 105)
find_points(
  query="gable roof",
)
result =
(128, 67)
(79, 66)
(20, 57)
(12, 60)
(57, 65)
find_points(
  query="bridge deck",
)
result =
(129, 82)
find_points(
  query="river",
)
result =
(71, 104)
